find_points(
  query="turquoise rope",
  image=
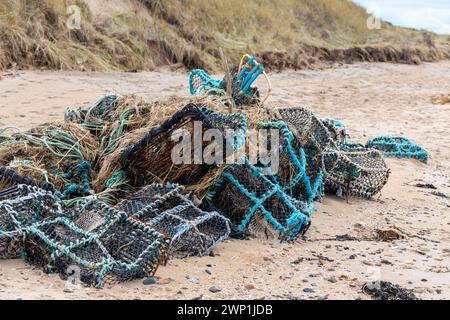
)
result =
(400, 147)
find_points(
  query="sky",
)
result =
(433, 15)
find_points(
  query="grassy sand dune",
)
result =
(144, 34)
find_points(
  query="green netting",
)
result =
(58, 153)
(93, 117)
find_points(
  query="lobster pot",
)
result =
(193, 232)
(294, 174)
(20, 207)
(150, 160)
(127, 249)
(258, 207)
(355, 171)
(348, 168)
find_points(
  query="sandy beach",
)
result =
(372, 100)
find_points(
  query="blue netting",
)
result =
(242, 78)
(202, 83)
(255, 204)
(297, 178)
(399, 147)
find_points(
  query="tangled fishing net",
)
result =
(100, 197)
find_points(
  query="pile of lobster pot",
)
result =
(117, 188)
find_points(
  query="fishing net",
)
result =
(241, 77)
(191, 230)
(399, 147)
(94, 116)
(256, 206)
(101, 245)
(59, 153)
(201, 82)
(9, 178)
(150, 160)
(20, 207)
(298, 178)
(349, 169)
(110, 118)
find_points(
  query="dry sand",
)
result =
(372, 100)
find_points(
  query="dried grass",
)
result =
(40, 157)
(145, 34)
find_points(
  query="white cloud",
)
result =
(430, 15)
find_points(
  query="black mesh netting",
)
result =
(191, 230)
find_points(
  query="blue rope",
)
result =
(400, 147)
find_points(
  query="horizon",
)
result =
(432, 15)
